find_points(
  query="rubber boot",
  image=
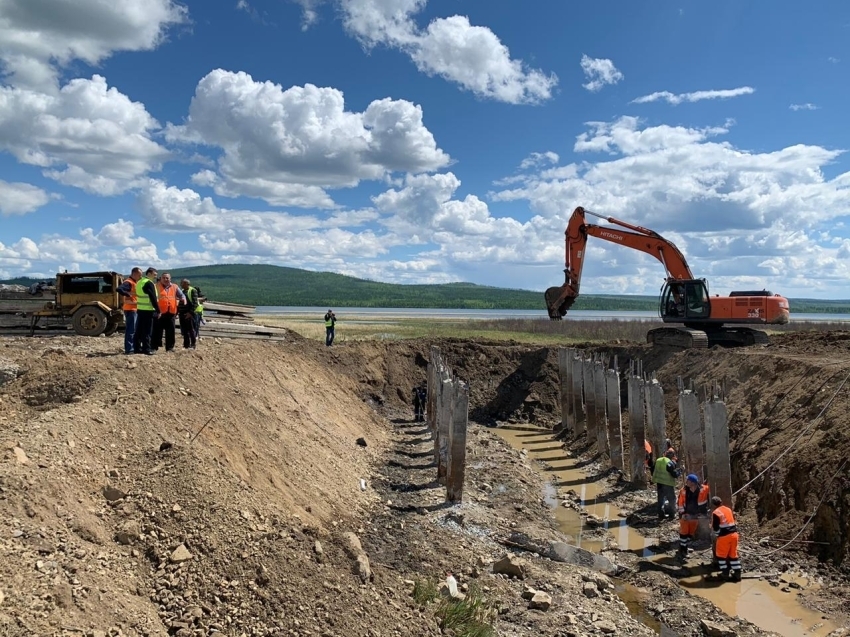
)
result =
(736, 575)
(724, 574)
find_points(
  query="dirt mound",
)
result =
(186, 492)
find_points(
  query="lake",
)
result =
(415, 312)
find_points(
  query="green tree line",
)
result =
(276, 285)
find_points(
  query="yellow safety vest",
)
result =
(143, 301)
(661, 475)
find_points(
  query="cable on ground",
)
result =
(812, 517)
(798, 438)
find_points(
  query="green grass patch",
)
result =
(470, 617)
(425, 592)
(519, 330)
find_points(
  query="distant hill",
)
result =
(276, 285)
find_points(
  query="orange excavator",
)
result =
(693, 318)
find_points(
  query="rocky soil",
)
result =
(249, 488)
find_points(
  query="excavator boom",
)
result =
(685, 300)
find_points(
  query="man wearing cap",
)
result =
(330, 323)
(692, 504)
(664, 476)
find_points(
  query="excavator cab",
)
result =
(684, 300)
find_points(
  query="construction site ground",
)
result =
(282, 488)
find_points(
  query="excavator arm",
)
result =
(560, 299)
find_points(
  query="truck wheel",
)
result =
(90, 321)
(111, 327)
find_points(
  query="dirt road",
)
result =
(213, 491)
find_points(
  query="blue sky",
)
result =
(428, 140)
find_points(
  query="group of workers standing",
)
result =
(691, 505)
(152, 304)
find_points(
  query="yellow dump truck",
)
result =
(86, 301)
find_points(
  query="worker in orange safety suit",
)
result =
(726, 550)
(692, 505)
(169, 298)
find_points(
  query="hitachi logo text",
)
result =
(611, 235)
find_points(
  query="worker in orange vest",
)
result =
(168, 296)
(692, 505)
(647, 447)
(726, 550)
(127, 290)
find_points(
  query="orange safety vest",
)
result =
(167, 299)
(726, 520)
(702, 498)
(131, 303)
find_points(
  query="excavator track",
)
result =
(738, 337)
(689, 338)
(682, 337)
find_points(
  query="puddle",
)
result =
(754, 600)
(762, 604)
(563, 474)
(634, 600)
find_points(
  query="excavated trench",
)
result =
(787, 408)
(788, 434)
(752, 599)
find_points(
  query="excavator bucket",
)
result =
(557, 303)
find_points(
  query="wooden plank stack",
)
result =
(232, 320)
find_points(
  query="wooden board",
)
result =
(12, 302)
(228, 318)
(228, 308)
(260, 337)
(238, 328)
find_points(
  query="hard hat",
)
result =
(692, 477)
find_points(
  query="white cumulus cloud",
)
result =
(418, 231)
(736, 213)
(87, 135)
(462, 231)
(287, 146)
(277, 236)
(696, 96)
(37, 35)
(599, 72)
(113, 246)
(689, 179)
(452, 48)
(17, 198)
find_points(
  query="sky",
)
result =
(428, 141)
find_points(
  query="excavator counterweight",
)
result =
(694, 318)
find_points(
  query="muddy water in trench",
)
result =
(754, 600)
